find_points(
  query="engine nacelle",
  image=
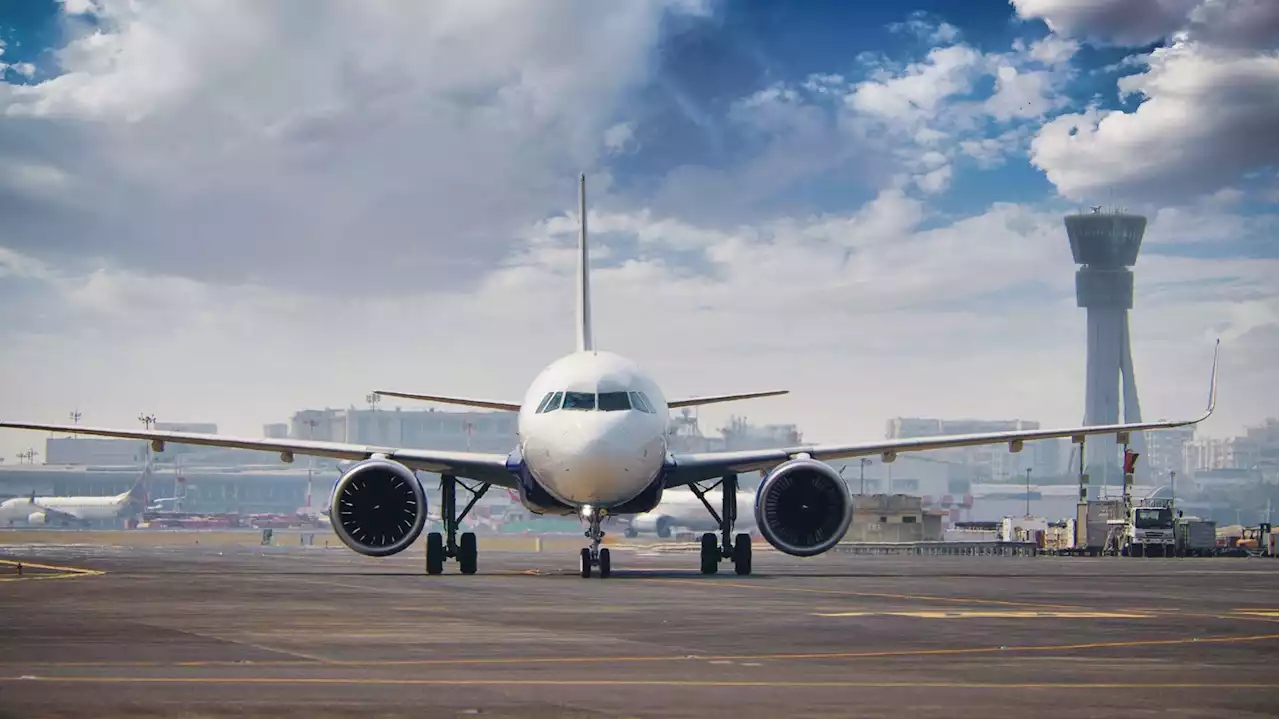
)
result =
(803, 508)
(659, 524)
(378, 507)
(37, 518)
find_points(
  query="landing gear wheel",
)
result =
(710, 553)
(742, 554)
(585, 563)
(467, 553)
(435, 553)
(604, 563)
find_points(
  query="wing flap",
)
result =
(484, 467)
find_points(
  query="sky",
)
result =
(228, 210)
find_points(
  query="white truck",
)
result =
(1148, 530)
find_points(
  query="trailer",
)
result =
(1195, 537)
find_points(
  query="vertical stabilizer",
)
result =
(586, 342)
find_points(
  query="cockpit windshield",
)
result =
(580, 400)
(617, 401)
(614, 401)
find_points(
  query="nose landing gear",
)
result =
(594, 556)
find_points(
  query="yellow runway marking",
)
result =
(879, 595)
(993, 615)
(497, 661)
(52, 571)
(694, 683)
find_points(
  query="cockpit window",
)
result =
(551, 402)
(614, 401)
(542, 406)
(640, 402)
(580, 400)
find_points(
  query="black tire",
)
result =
(604, 563)
(435, 553)
(710, 553)
(584, 563)
(742, 554)
(468, 553)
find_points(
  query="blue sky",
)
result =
(888, 178)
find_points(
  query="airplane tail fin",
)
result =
(586, 342)
(138, 494)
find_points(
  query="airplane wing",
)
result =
(483, 467)
(697, 467)
(464, 401)
(712, 399)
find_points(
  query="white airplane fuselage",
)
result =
(586, 453)
(20, 509)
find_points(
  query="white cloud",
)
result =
(1207, 118)
(620, 137)
(1208, 98)
(1126, 22)
(303, 145)
(871, 308)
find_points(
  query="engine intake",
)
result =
(803, 508)
(378, 507)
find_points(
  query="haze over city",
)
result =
(243, 209)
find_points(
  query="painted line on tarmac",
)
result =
(497, 661)
(1024, 614)
(692, 683)
(50, 571)
(877, 595)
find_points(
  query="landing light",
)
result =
(586, 510)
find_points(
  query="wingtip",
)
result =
(1213, 380)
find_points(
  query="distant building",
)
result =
(276, 430)
(412, 429)
(983, 462)
(1166, 452)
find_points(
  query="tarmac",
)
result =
(135, 629)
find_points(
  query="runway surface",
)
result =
(106, 631)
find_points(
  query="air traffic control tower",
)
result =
(1106, 245)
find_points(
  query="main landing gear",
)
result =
(594, 556)
(450, 545)
(739, 550)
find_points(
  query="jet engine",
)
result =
(36, 518)
(378, 507)
(803, 507)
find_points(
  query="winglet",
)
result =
(586, 343)
(1213, 381)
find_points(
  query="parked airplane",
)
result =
(79, 511)
(593, 440)
(683, 509)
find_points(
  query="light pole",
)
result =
(1028, 492)
(148, 420)
(1173, 489)
(75, 419)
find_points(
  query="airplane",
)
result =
(680, 508)
(592, 441)
(65, 511)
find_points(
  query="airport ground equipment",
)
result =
(1148, 530)
(1195, 537)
